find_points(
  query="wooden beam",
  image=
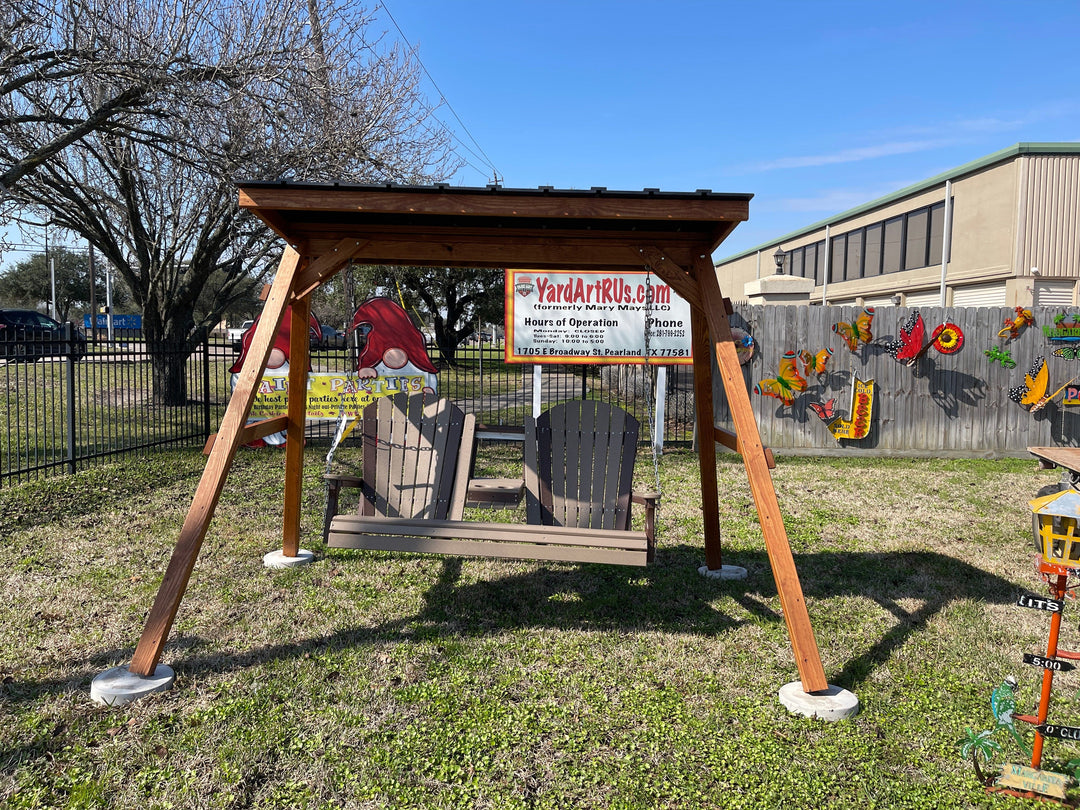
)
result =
(299, 351)
(703, 406)
(171, 592)
(800, 631)
(546, 251)
(252, 431)
(325, 266)
(674, 274)
(731, 442)
(703, 208)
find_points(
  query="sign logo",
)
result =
(523, 285)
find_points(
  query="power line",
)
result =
(443, 99)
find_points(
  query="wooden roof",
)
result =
(495, 226)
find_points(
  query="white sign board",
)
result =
(564, 316)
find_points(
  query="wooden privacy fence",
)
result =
(944, 405)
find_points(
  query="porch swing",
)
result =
(326, 226)
(579, 459)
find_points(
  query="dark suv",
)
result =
(29, 335)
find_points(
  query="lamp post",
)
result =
(779, 257)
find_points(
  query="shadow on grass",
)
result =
(668, 596)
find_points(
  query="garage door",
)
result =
(980, 295)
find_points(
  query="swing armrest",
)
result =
(340, 480)
(334, 484)
(650, 499)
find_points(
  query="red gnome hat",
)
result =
(281, 339)
(390, 328)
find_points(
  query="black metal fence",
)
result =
(61, 411)
(501, 394)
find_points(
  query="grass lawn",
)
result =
(373, 679)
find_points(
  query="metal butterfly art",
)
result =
(1032, 392)
(909, 346)
(857, 331)
(814, 363)
(786, 384)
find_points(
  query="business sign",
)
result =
(330, 395)
(118, 321)
(565, 316)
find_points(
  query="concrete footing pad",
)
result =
(277, 559)
(723, 572)
(831, 704)
(117, 686)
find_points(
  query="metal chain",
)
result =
(648, 398)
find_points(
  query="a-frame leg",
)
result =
(800, 631)
(703, 405)
(299, 356)
(173, 585)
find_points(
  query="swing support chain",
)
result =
(652, 390)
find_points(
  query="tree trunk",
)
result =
(169, 364)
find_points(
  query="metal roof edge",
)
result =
(596, 191)
(1017, 149)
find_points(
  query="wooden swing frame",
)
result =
(327, 227)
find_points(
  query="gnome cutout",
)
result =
(275, 377)
(393, 347)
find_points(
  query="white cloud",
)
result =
(853, 155)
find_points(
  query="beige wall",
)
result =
(1007, 218)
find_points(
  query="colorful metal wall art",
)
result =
(858, 331)
(910, 346)
(1031, 393)
(787, 383)
(1014, 325)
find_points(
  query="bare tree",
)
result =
(229, 90)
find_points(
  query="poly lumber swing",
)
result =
(579, 469)
(327, 227)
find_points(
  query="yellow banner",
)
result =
(329, 394)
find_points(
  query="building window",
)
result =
(872, 251)
(853, 266)
(937, 231)
(810, 263)
(836, 261)
(894, 233)
(796, 262)
(917, 240)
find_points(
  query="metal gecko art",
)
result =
(1003, 356)
(1014, 325)
(909, 346)
(1031, 393)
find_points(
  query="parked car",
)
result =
(29, 335)
(235, 335)
(331, 337)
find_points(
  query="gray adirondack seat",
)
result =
(579, 462)
(418, 454)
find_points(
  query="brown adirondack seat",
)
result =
(418, 453)
(579, 464)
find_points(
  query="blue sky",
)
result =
(814, 107)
